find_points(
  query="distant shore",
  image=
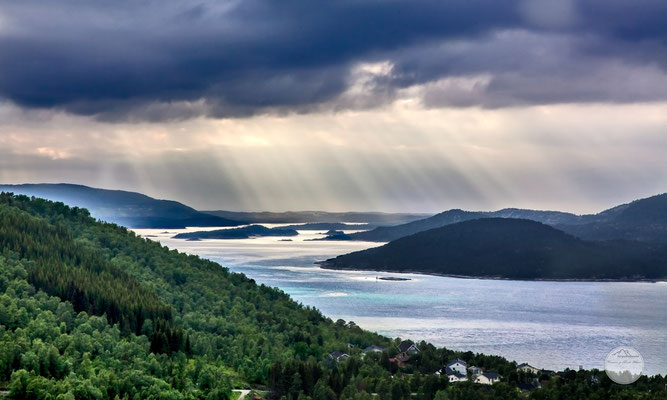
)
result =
(323, 265)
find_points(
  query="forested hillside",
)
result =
(88, 310)
(128, 316)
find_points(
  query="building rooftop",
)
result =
(457, 360)
(405, 345)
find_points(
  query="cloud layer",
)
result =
(161, 60)
(581, 158)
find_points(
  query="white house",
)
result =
(456, 378)
(472, 370)
(488, 378)
(527, 368)
(457, 366)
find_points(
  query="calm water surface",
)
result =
(550, 325)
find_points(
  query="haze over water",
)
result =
(551, 325)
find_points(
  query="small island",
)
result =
(245, 232)
(393, 278)
(335, 235)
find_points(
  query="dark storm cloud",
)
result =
(524, 68)
(177, 59)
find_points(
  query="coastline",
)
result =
(351, 312)
(323, 265)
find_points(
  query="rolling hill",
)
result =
(510, 248)
(389, 233)
(641, 220)
(130, 209)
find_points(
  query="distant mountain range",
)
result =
(136, 210)
(389, 233)
(295, 217)
(130, 209)
(510, 248)
(643, 220)
(329, 226)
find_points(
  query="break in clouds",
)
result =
(162, 60)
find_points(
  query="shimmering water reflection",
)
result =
(550, 325)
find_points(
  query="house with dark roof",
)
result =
(487, 378)
(408, 347)
(456, 366)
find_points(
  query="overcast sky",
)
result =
(385, 105)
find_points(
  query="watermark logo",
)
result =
(624, 365)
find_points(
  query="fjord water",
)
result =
(551, 325)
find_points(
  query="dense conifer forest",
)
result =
(89, 310)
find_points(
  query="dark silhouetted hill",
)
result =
(510, 248)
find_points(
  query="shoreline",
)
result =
(322, 265)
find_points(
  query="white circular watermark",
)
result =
(624, 365)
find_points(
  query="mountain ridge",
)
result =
(293, 217)
(642, 219)
(131, 209)
(386, 234)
